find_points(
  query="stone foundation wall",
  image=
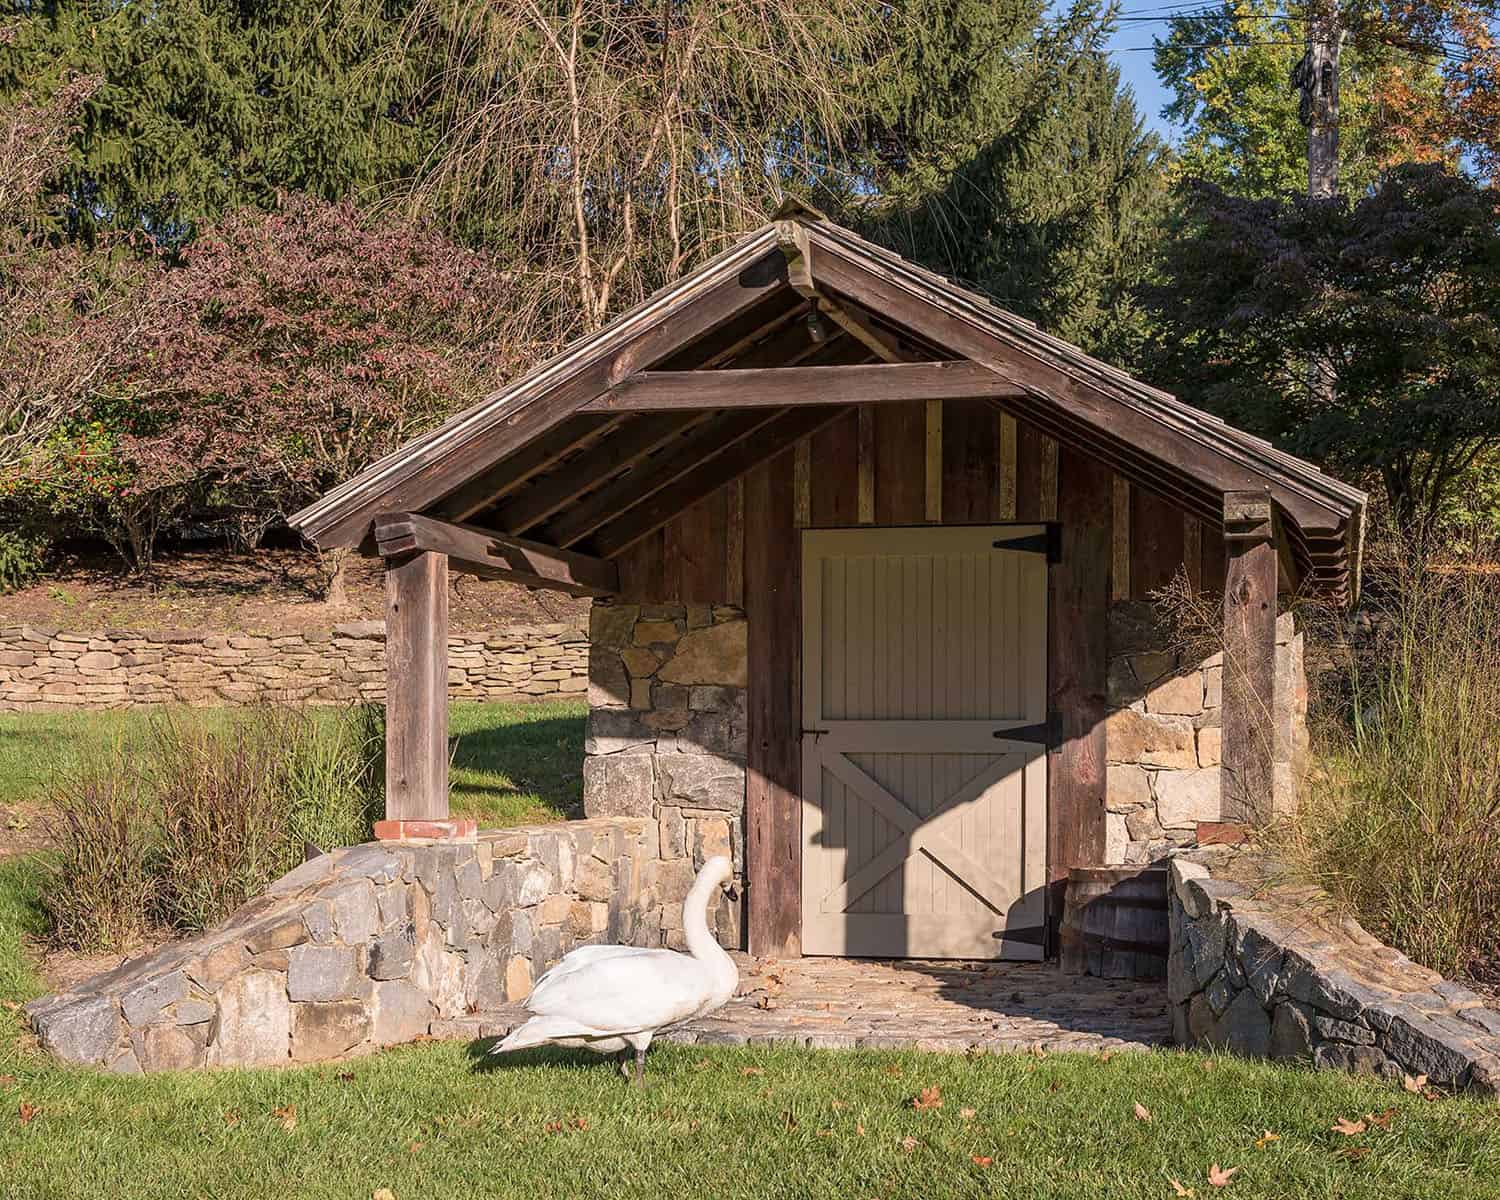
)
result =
(44, 669)
(1273, 972)
(1163, 734)
(374, 945)
(666, 729)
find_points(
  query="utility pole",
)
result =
(1316, 76)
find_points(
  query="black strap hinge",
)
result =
(1048, 733)
(1048, 542)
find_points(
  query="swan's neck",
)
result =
(701, 943)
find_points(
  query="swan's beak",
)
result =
(730, 891)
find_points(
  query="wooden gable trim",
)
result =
(495, 556)
(443, 461)
(789, 387)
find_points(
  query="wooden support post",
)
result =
(1249, 734)
(416, 695)
(1077, 668)
(773, 779)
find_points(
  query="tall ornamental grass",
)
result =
(180, 830)
(1401, 816)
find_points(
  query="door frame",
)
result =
(1052, 552)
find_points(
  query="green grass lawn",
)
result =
(513, 763)
(431, 1120)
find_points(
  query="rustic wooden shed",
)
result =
(924, 507)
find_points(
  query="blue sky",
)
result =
(1146, 19)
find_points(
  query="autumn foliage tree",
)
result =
(295, 347)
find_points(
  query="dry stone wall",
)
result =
(374, 945)
(1274, 972)
(666, 729)
(1163, 734)
(43, 669)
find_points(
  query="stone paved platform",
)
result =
(954, 1007)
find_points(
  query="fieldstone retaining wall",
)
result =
(42, 669)
(666, 728)
(1163, 734)
(374, 945)
(1270, 971)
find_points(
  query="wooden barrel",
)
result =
(1115, 922)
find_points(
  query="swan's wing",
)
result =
(624, 993)
(576, 960)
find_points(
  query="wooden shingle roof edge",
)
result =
(1322, 508)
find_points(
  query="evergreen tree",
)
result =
(1004, 152)
(205, 106)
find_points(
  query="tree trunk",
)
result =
(1325, 40)
(335, 588)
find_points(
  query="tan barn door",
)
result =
(923, 824)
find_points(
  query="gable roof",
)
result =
(738, 309)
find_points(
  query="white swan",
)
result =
(608, 998)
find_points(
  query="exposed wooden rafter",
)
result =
(649, 477)
(645, 518)
(621, 450)
(529, 461)
(787, 387)
(492, 555)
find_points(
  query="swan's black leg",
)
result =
(640, 1068)
(623, 1062)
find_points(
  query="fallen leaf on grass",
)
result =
(1055, 1086)
(981, 1160)
(1352, 1152)
(1347, 1127)
(1266, 1139)
(414, 1147)
(825, 1133)
(748, 1071)
(1219, 1177)
(7, 1080)
(346, 1077)
(1178, 1189)
(1381, 1120)
(29, 1112)
(231, 1118)
(287, 1116)
(859, 1128)
(929, 1097)
(838, 1106)
(1414, 1084)
(1142, 1113)
(382, 1194)
(1207, 1064)
(908, 1144)
(968, 1114)
(1106, 1056)
(552, 1127)
(579, 1123)
(893, 1071)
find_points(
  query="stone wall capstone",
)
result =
(374, 945)
(1163, 734)
(43, 670)
(1273, 971)
(666, 730)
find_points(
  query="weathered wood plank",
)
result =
(1029, 442)
(643, 571)
(866, 498)
(1156, 542)
(1077, 669)
(477, 551)
(698, 534)
(1007, 467)
(734, 538)
(900, 464)
(786, 387)
(835, 481)
(971, 462)
(1119, 572)
(416, 675)
(932, 463)
(1249, 735)
(773, 805)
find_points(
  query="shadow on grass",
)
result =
(506, 760)
(482, 1062)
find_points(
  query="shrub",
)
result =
(22, 557)
(185, 828)
(1401, 821)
